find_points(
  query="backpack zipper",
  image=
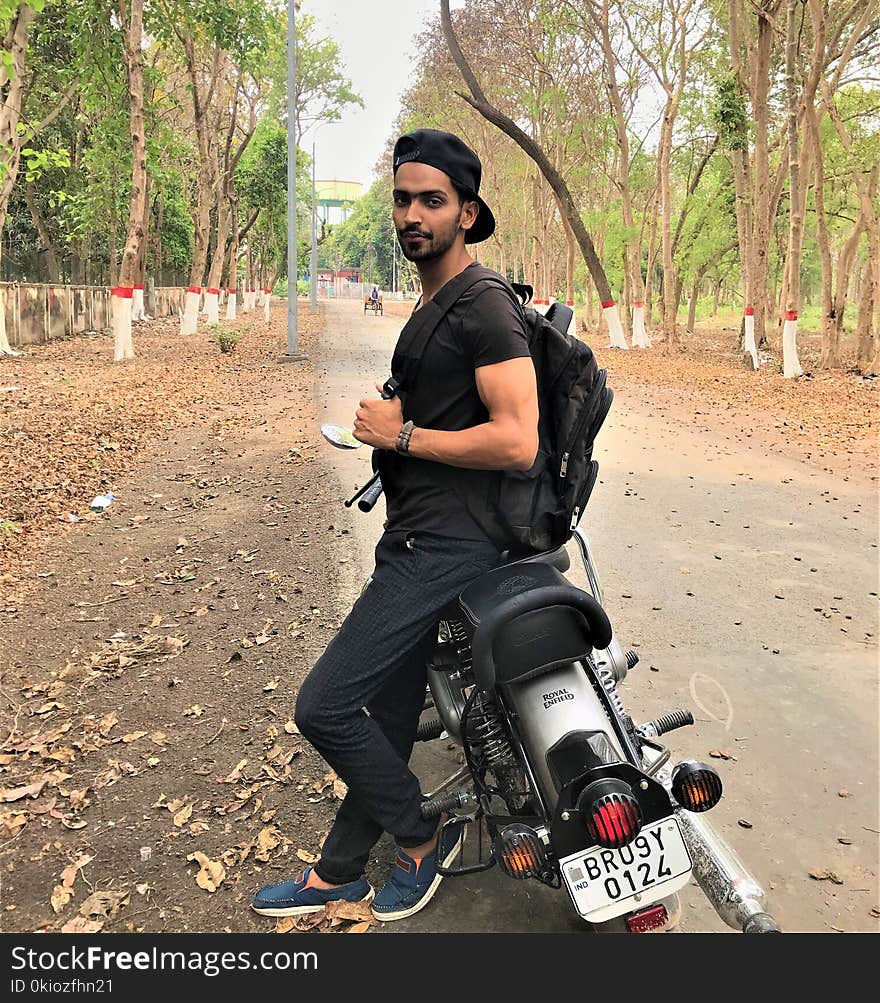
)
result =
(563, 469)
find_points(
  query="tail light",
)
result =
(611, 812)
(696, 786)
(520, 852)
(648, 920)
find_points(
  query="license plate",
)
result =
(607, 883)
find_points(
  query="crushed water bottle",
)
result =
(101, 502)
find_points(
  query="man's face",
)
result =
(427, 214)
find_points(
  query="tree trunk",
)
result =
(12, 75)
(868, 293)
(692, 306)
(791, 366)
(759, 267)
(51, 256)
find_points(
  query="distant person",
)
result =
(374, 294)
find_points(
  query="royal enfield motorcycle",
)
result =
(567, 788)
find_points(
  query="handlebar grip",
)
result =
(369, 498)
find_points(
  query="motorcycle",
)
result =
(525, 678)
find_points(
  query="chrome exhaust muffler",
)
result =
(735, 895)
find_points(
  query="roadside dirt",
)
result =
(148, 678)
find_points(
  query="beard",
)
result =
(435, 244)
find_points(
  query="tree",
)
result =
(131, 18)
(479, 101)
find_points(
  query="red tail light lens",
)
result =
(651, 919)
(611, 813)
(614, 820)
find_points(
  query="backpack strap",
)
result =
(420, 328)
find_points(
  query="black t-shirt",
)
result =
(484, 326)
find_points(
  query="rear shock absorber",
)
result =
(606, 678)
(487, 729)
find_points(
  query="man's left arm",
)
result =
(507, 441)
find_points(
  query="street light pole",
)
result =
(292, 354)
(313, 266)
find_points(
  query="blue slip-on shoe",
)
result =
(296, 897)
(413, 882)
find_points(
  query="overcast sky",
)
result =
(376, 42)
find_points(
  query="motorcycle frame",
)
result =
(737, 897)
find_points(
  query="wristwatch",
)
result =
(403, 438)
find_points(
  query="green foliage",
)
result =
(226, 339)
(729, 114)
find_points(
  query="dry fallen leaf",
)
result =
(81, 925)
(17, 793)
(211, 872)
(133, 736)
(304, 855)
(235, 775)
(823, 875)
(267, 840)
(722, 754)
(108, 722)
(194, 711)
(339, 789)
(271, 685)
(61, 895)
(291, 728)
(183, 815)
(106, 903)
(359, 927)
(341, 910)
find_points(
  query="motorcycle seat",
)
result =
(525, 618)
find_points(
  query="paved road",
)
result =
(748, 585)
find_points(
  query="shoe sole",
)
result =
(304, 910)
(388, 917)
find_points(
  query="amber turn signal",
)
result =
(520, 852)
(696, 786)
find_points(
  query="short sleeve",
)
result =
(493, 328)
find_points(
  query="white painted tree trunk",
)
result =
(246, 301)
(615, 328)
(212, 306)
(641, 338)
(572, 324)
(5, 347)
(791, 366)
(253, 299)
(267, 299)
(231, 305)
(751, 347)
(137, 304)
(121, 312)
(190, 319)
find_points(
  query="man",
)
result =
(471, 410)
(374, 294)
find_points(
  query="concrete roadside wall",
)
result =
(37, 313)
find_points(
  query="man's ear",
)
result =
(469, 213)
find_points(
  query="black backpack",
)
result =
(538, 509)
(541, 507)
